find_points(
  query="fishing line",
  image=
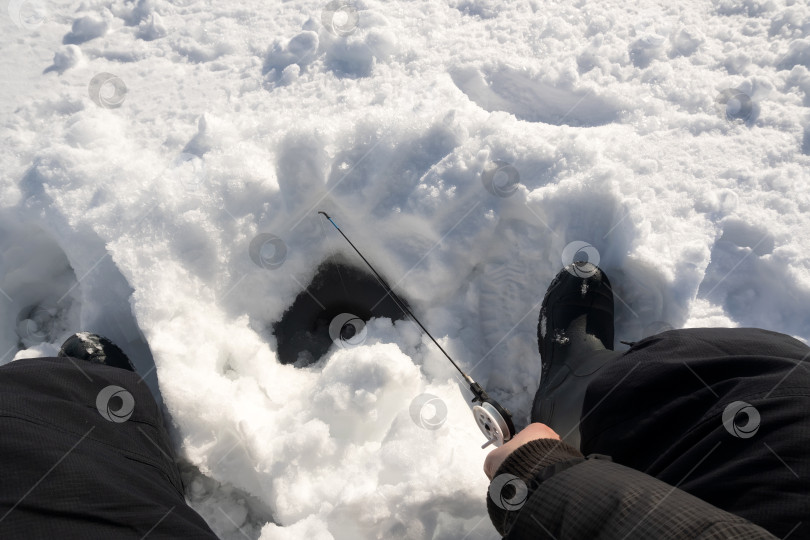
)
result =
(337, 266)
(494, 420)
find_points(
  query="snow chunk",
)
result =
(361, 390)
(485, 9)
(290, 74)
(151, 28)
(300, 50)
(140, 13)
(201, 142)
(687, 41)
(798, 54)
(705, 314)
(85, 29)
(37, 351)
(312, 528)
(351, 58)
(66, 58)
(94, 129)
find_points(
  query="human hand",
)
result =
(531, 432)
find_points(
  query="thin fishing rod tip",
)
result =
(325, 214)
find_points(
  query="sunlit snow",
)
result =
(463, 145)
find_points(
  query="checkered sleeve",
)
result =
(546, 489)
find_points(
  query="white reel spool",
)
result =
(491, 423)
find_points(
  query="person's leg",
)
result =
(84, 453)
(575, 339)
(720, 413)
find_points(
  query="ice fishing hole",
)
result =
(332, 310)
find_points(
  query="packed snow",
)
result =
(470, 148)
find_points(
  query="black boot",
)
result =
(96, 349)
(575, 338)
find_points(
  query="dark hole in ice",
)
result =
(338, 287)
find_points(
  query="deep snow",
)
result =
(464, 145)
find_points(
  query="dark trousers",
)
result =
(75, 464)
(723, 414)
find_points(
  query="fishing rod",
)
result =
(494, 421)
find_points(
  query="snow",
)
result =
(65, 58)
(85, 29)
(468, 147)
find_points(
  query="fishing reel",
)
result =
(494, 421)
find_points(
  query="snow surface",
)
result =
(462, 144)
